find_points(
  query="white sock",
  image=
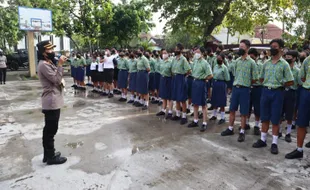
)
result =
(122, 95)
(184, 115)
(196, 120)
(170, 111)
(274, 139)
(111, 92)
(204, 123)
(299, 149)
(289, 129)
(177, 113)
(137, 99)
(125, 96)
(293, 123)
(107, 91)
(223, 115)
(132, 97)
(242, 131)
(189, 106)
(141, 101)
(247, 121)
(214, 113)
(230, 128)
(257, 123)
(163, 110)
(263, 136)
(146, 103)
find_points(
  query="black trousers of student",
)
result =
(49, 131)
(2, 75)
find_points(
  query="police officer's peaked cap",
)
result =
(45, 45)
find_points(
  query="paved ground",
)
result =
(115, 146)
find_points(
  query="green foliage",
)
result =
(181, 36)
(146, 46)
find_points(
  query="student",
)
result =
(190, 79)
(101, 75)
(231, 65)
(115, 57)
(210, 59)
(303, 118)
(3, 66)
(245, 75)
(275, 75)
(219, 92)
(132, 78)
(255, 94)
(149, 56)
(94, 73)
(143, 67)
(290, 94)
(180, 68)
(158, 62)
(165, 85)
(73, 69)
(123, 76)
(88, 73)
(108, 73)
(201, 74)
(80, 71)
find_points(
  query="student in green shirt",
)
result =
(303, 118)
(180, 68)
(152, 62)
(210, 59)
(231, 63)
(80, 67)
(132, 78)
(73, 69)
(158, 62)
(201, 74)
(275, 76)
(88, 73)
(245, 75)
(122, 81)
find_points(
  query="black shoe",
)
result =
(274, 149)
(175, 118)
(203, 128)
(307, 145)
(211, 108)
(124, 100)
(221, 121)
(247, 127)
(213, 118)
(259, 144)
(169, 116)
(160, 103)
(279, 135)
(56, 160)
(227, 112)
(154, 102)
(192, 114)
(161, 113)
(256, 131)
(241, 137)
(192, 125)
(208, 101)
(74, 86)
(121, 99)
(288, 138)
(145, 107)
(188, 111)
(200, 115)
(130, 102)
(57, 154)
(183, 121)
(118, 92)
(293, 126)
(139, 105)
(227, 132)
(110, 96)
(294, 155)
(135, 103)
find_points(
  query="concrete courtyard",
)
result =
(113, 145)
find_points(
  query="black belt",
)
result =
(240, 86)
(215, 80)
(270, 88)
(200, 79)
(256, 86)
(123, 70)
(306, 88)
(142, 70)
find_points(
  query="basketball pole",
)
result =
(31, 53)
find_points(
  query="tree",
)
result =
(181, 36)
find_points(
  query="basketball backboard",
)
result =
(35, 19)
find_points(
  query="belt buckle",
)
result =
(237, 86)
(287, 89)
(269, 88)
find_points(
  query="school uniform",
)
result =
(201, 71)
(245, 72)
(88, 62)
(80, 69)
(122, 73)
(152, 74)
(73, 68)
(132, 63)
(166, 79)
(157, 73)
(100, 72)
(220, 79)
(108, 71)
(231, 65)
(256, 92)
(142, 76)
(93, 71)
(274, 75)
(212, 63)
(180, 68)
(190, 80)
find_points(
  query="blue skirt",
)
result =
(122, 79)
(199, 92)
(219, 94)
(165, 88)
(231, 82)
(133, 81)
(189, 86)
(73, 72)
(88, 71)
(157, 80)
(81, 74)
(152, 82)
(179, 88)
(142, 82)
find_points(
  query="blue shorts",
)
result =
(152, 82)
(122, 81)
(271, 105)
(80, 73)
(132, 81)
(303, 117)
(189, 86)
(142, 82)
(219, 94)
(179, 88)
(298, 97)
(165, 88)
(73, 72)
(199, 92)
(289, 104)
(231, 82)
(256, 93)
(157, 80)
(240, 96)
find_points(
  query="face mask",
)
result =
(229, 57)
(289, 61)
(302, 59)
(51, 56)
(139, 54)
(241, 52)
(177, 52)
(253, 58)
(274, 51)
(78, 56)
(88, 55)
(262, 56)
(197, 55)
(165, 56)
(219, 61)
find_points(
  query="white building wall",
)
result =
(222, 36)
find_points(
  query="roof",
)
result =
(158, 42)
(271, 31)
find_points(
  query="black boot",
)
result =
(57, 154)
(52, 159)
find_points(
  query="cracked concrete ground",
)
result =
(112, 145)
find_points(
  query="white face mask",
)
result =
(197, 55)
(165, 56)
(262, 56)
